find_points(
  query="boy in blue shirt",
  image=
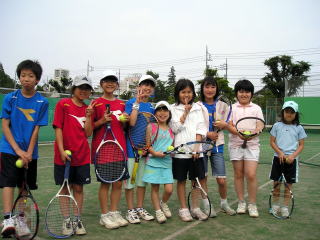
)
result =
(133, 107)
(23, 112)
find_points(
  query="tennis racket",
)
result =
(26, 212)
(109, 161)
(281, 201)
(198, 198)
(194, 147)
(62, 214)
(140, 140)
(249, 127)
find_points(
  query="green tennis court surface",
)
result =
(304, 223)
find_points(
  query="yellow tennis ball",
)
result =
(68, 152)
(122, 118)
(247, 132)
(140, 152)
(170, 148)
(19, 163)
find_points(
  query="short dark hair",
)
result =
(295, 121)
(245, 85)
(34, 66)
(148, 82)
(164, 108)
(182, 84)
(209, 80)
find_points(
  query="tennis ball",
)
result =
(68, 152)
(140, 152)
(19, 163)
(170, 148)
(122, 118)
(246, 132)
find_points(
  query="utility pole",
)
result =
(208, 57)
(89, 69)
(226, 68)
(119, 82)
(285, 87)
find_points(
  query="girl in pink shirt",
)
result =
(244, 160)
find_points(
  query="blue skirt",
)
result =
(157, 175)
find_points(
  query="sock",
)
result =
(223, 201)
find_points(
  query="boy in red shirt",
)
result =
(110, 216)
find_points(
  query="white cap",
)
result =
(147, 77)
(110, 74)
(163, 104)
(80, 80)
(291, 104)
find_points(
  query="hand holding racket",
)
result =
(26, 212)
(249, 127)
(62, 213)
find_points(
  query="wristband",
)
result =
(135, 106)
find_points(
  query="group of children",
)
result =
(25, 110)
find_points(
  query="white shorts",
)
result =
(240, 153)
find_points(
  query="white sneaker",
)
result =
(198, 214)
(22, 228)
(185, 215)
(275, 209)
(227, 209)
(119, 219)
(108, 221)
(285, 212)
(80, 230)
(144, 214)
(242, 207)
(253, 211)
(165, 209)
(160, 216)
(67, 227)
(8, 227)
(132, 217)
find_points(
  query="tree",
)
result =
(61, 86)
(5, 80)
(171, 83)
(283, 69)
(126, 95)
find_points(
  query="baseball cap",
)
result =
(291, 104)
(147, 77)
(82, 79)
(110, 74)
(163, 104)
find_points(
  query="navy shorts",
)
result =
(11, 176)
(218, 166)
(290, 171)
(79, 175)
(181, 167)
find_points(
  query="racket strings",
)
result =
(61, 214)
(110, 162)
(26, 214)
(196, 147)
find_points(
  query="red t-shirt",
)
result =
(117, 108)
(70, 118)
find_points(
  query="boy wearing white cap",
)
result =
(287, 140)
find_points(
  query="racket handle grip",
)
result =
(244, 144)
(67, 169)
(134, 172)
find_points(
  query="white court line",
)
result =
(182, 230)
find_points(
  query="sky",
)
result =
(135, 36)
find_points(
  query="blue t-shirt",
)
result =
(161, 144)
(287, 136)
(211, 110)
(24, 114)
(143, 107)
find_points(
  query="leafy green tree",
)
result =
(61, 86)
(5, 80)
(126, 95)
(171, 83)
(283, 69)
